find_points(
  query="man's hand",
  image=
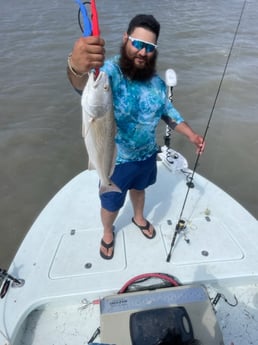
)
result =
(88, 52)
(198, 141)
(193, 137)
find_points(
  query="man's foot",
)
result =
(147, 230)
(107, 249)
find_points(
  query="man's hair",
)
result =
(146, 21)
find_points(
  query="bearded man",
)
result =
(140, 101)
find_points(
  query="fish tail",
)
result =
(111, 187)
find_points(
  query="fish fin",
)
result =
(109, 188)
(86, 124)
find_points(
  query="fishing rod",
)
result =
(180, 226)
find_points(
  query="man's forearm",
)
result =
(77, 82)
(185, 129)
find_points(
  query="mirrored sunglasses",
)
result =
(139, 45)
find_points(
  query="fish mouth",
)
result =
(100, 79)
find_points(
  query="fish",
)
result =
(99, 129)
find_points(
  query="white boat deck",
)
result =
(61, 254)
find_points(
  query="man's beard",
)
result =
(132, 71)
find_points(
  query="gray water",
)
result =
(40, 124)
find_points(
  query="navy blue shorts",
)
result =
(132, 175)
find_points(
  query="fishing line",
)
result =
(181, 224)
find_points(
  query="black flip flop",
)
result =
(107, 246)
(145, 227)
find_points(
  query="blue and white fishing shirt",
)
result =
(138, 107)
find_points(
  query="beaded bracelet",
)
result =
(71, 68)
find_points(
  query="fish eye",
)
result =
(106, 88)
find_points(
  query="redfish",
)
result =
(99, 129)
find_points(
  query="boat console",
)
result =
(153, 317)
